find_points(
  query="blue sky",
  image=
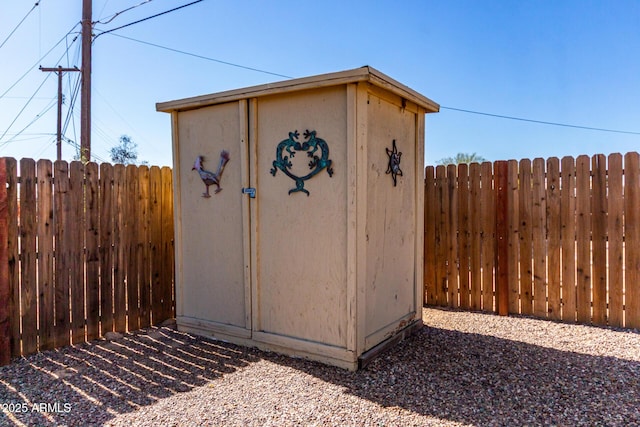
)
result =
(570, 62)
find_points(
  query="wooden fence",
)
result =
(89, 250)
(556, 239)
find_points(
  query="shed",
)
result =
(314, 245)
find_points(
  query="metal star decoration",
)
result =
(394, 163)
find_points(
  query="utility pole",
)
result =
(85, 89)
(59, 70)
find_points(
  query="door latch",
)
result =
(250, 191)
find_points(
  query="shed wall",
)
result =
(391, 215)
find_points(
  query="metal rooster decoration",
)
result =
(210, 178)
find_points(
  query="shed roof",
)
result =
(365, 73)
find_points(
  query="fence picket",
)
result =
(553, 233)
(45, 254)
(599, 238)
(131, 250)
(632, 239)
(61, 207)
(155, 239)
(28, 282)
(583, 238)
(452, 243)
(167, 272)
(143, 241)
(512, 237)
(441, 236)
(75, 242)
(12, 254)
(429, 237)
(526, 237)
(474, 245)
(539, 233)
(487, 246)
(92, 231)
(106, 248)
(119, 258)
(502, 237)
(568, 237)
(463, 234)
(5, 294)
(615, 205)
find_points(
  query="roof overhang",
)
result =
(362, 74)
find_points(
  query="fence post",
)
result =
(502, 241)
(5, 327)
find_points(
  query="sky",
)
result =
(571, 62)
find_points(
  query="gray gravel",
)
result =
(460, 369)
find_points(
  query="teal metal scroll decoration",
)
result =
(291, 145)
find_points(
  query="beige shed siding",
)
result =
(326, 276)
(390, 293)
(210, 280)
(302, 268)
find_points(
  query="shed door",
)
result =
(213, 263)
(300, 245)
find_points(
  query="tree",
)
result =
(125, 153)
(461, 158)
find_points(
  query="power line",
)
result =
(442, 107)
(77, 147)
(44, 148)
(19, 23)
(115, 111)
(104, 6)
(20, 132)
(70, 111)
(111, 31)
(32, 96)
(148, 18)
(35, 134)
(29, 97)
(540, 121)
(72, 103)
(74, 94)
(203, 57)
(22, 110)
(35, 119)
(39, 61)
(120, 13)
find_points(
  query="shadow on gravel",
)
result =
(454, 376)
(483, 380)
(93, 382)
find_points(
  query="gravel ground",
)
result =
(460, 369)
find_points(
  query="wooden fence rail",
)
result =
(89, 250)
(556, 239)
